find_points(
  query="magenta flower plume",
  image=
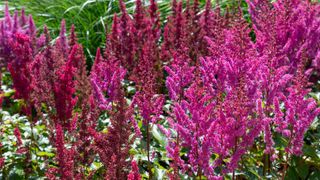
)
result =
(127, 47)
(109, 80)
(290, 28)
(15, 22)
(17, 134)
(150, 107)
(7, 18)
(19, 65)
(31, 28)
(98, 59)
(43, 70)
(73, 36)
(300, 112)
(62, 42)
(82, 85)
(134, 174)
(64, 156)
(108, 145)
(23, 18)
(2, 162)
(64, 89)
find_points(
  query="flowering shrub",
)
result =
(211, 96)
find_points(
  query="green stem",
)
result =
(148, 152)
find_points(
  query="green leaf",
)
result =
(9, 93)
(159, 136)
(45, 154)
(315, 175)
(302, 169)
(255, 173)
(310, 151)
(291, 174)
(159, 173)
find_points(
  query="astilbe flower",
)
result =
(275, 74)
(83, 143)
(112, 40)
(125, 37)
(43, 75)
(192, 34)
(60, 49)
(212, 23)
(16, 49)
(113, 147)
(140, 24)
(191, 127)
(5, 35)
(15, 22)
(235, 90)
(185, 31)
(150, 107)
(2, 160)
(180, 77)
(58, 84)
(285, 39)
(108, 80)
(134, 174)
(84, 149)
(140, 55)
(73, 36)
(64, 157)
(147, 72)
(7, 17)
(17, 53)
(226, 99)
(184, 48)
(300, 111)
(146, 77)
(134, 41)
(62, 42)
(173, 37)
(18, 66)
(51, 79)
(5, 51)
(64, 90)
(82, 85)
(147, 52)
(44, 69)
(1, 95)
(87, 119)
(291, 28)
(17, 134)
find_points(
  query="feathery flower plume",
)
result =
(19, 65)
(17, 134)
(62, 42)
(134, 174)
(113, 147)
(64, 156)
(7, 18)
(73, 36)
(64, 90)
